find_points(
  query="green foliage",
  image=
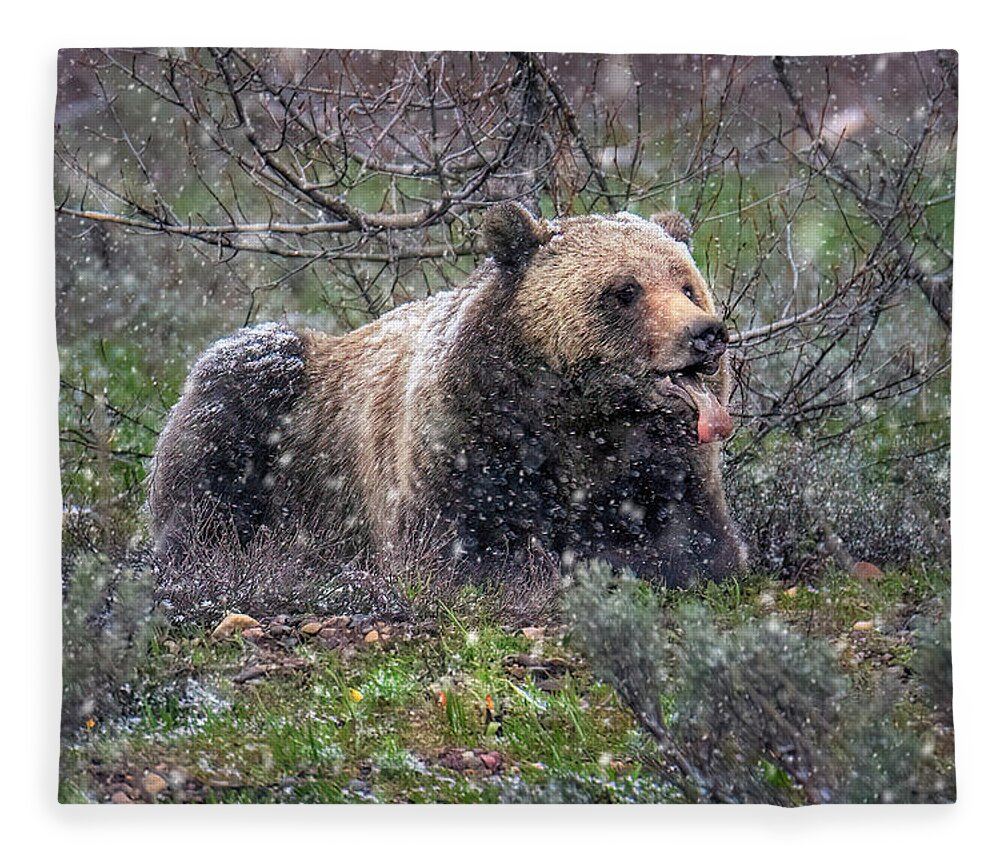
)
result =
(869, 490)
(618, 622)
(931, 662)
(760, 712)
(108, 624)
(455, 715)
(113, 398)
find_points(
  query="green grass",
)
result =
(840, 600)
(309, 731)
(379, 726)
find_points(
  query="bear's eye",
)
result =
(688, 291)
(627, 292)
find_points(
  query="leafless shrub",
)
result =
(528, 594)
(272, 573)
(201, 189)
(280, 146)
(302, 569)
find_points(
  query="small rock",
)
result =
(490, 760)
(311, 629)
(534, 634)
(278, 629)
(233, 623)
(863, 625)
(121, 797)
(371, 636)
(153, 784)
(253, 634)
(866, 571)
(791, 592)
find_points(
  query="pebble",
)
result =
(231, 624)
(153, 784)
(490, 760)
(866, 571)
(371, 636)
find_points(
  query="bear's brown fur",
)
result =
(567, 397)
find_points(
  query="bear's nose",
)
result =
(710, 338)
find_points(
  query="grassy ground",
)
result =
(304, 709)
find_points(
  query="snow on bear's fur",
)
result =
(570, 397)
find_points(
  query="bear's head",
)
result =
(620, 293)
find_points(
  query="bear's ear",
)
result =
(675, 225)
(512, 235)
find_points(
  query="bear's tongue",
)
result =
(714, 420)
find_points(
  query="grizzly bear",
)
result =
(569, 398)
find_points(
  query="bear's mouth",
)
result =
(689, 384)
